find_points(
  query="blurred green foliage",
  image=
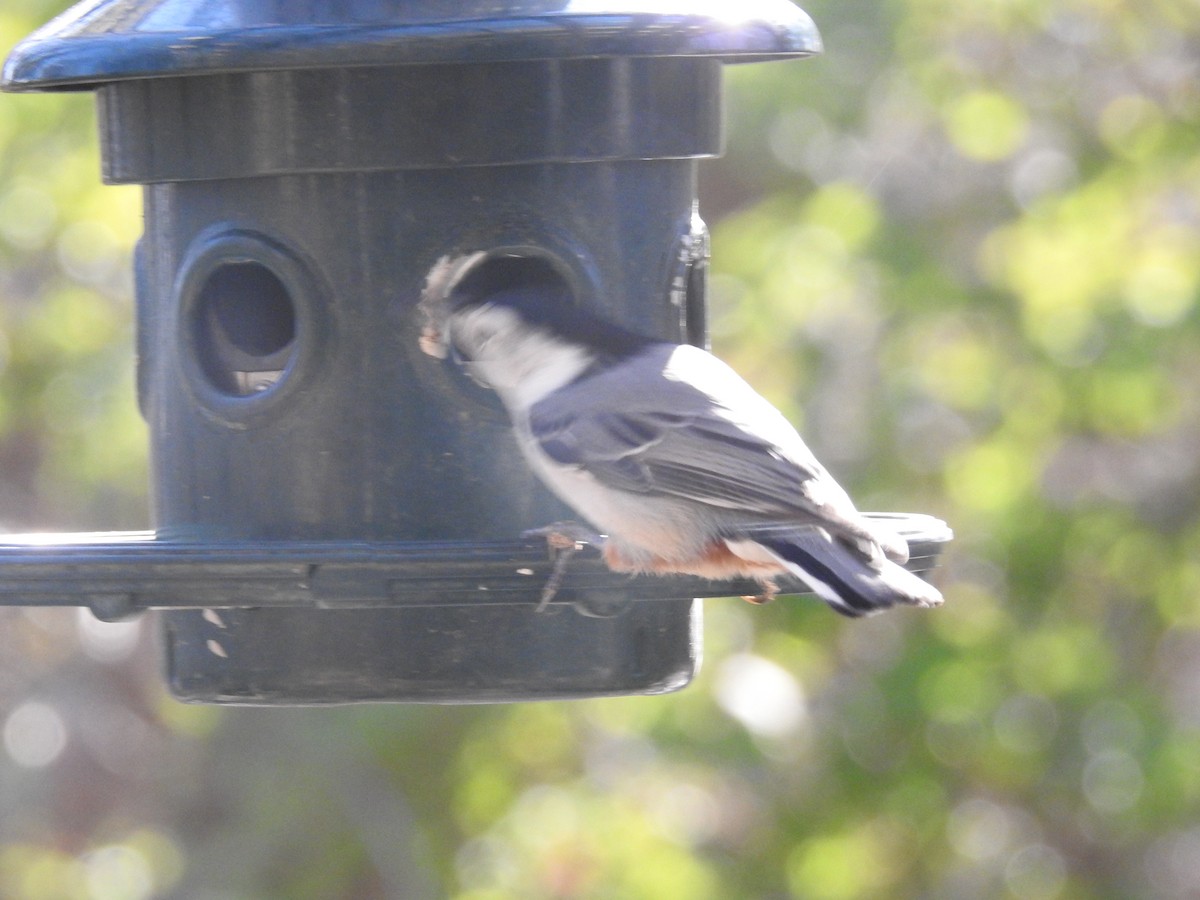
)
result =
(72, 446)
(962, 251)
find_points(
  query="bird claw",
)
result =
(565, 536)
(770, 590)
(563, 540)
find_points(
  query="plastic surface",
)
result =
(362, 437)
(114, 40)
(122, 574)
(313, 635)
(411, 117)
(357, 435)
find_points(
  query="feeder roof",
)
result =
(102, 41)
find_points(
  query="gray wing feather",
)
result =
(642, 432)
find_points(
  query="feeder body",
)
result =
(305, 166)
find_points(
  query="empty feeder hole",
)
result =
(245, 324)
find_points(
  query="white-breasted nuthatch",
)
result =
(669, 453)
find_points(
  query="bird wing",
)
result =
(688, 429)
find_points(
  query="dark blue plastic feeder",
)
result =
(337, 513)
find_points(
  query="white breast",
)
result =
(649, 526)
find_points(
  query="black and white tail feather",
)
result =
(853, 578)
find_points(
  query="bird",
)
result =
(680, 465)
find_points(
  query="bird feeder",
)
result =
(338, 514)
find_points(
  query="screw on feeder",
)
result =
(350, 505)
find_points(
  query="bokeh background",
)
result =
(962, 251)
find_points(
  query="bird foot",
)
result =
(565, 536)
(770, 590)
(563, 540)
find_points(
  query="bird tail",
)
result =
(854, 583)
